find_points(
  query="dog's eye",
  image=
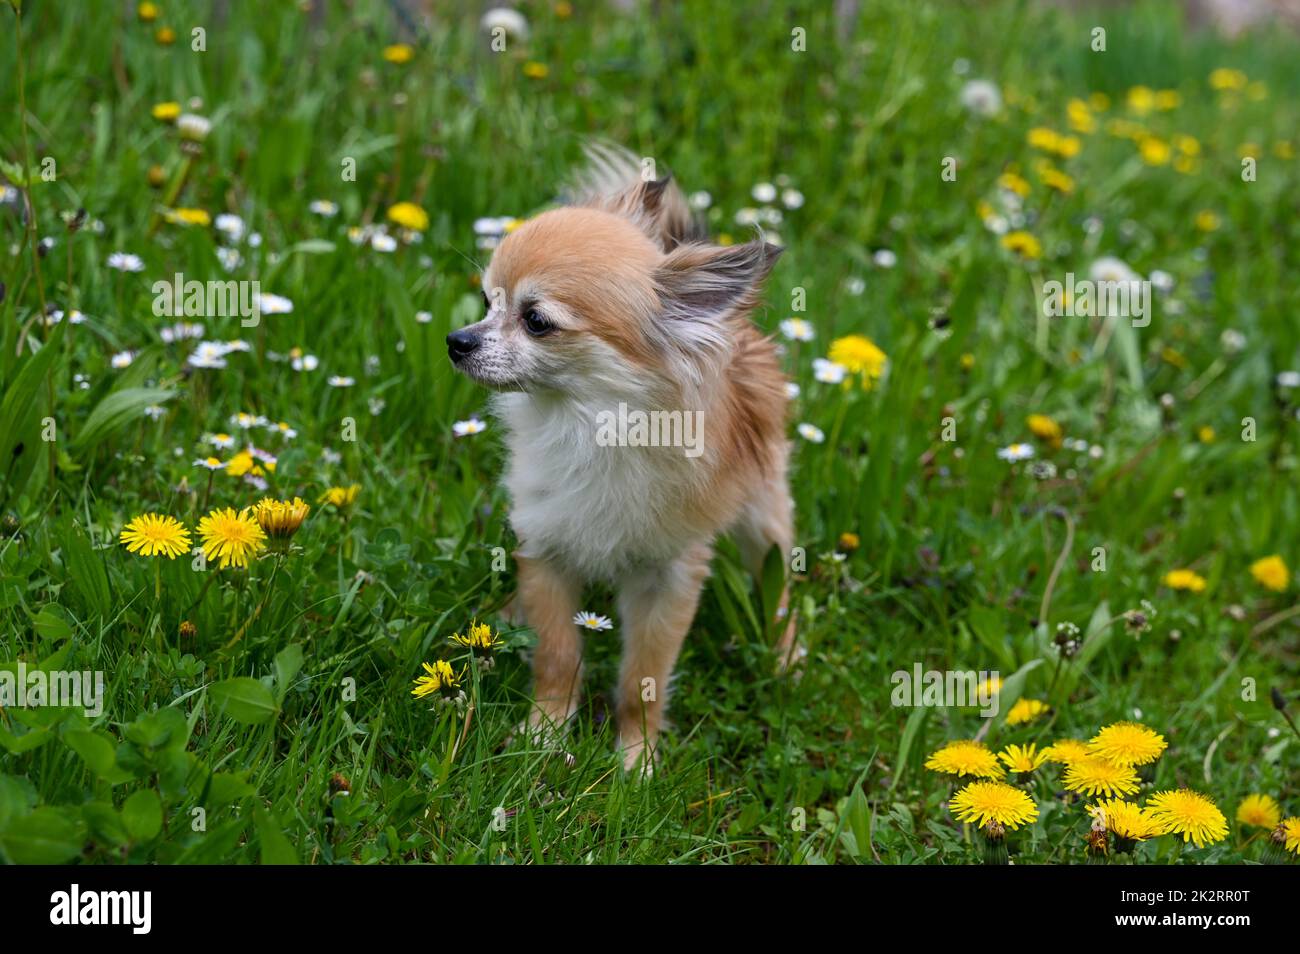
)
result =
(535, 324)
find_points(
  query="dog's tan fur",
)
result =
(640, 312)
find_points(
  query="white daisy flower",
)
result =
(763, 192)
(828, 372)
(592, 621)
(330, 456)
(981, 97)
(1289, 379)
(193, 127)
(209, 463)
(247, 421)
(855, 286)
(699, 201)
(811, 432)
(208, 354)
(465, 428)
(792, 199)
(126, 262)
(74, 317)
(884, 258)
(1111, 269)
(340, 381)
(229, 258)
(1015, 452)
(376, 405)
(423, 317)
(304, 362)
(237, 344)
(747, 216)
(229, 225)
(180, 331)
(283, 429)
(123, 359)
(268, 304)
(1161, 281)
(383, 242)
(791, 390)
(323, 207)
(155, 412)
(220, 441)
(1232, 341)
(798, 329)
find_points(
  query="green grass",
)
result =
(956, 546)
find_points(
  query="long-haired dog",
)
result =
(615, 304)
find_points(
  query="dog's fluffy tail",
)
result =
(616, 181)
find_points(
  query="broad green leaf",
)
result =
(245, 700)
(142, 815)
(276, 848)
(115, 411)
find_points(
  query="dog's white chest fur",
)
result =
(600, 510)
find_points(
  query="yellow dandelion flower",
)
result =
(1227, 79)
(1080, 116)
(1026, 710)
(1271, 572)
(409, 216)
(859, 355)
(967, 361)
(1167, 99)
(1023, 244)
(848, 542)
(1207, 221)
(1154, 152)
(1290, 828)
(1098, 776)
(1098, 102)
(1022, 758)
(242, 463)
(1205, 434)
(1190, 814)
(340, 496)
(153, 534)
(479, 639)
(1067, 751)
(166, 112)
(280, 519)
(993, 802)
(1054, 178)
(189, 217)
(1187, 145)
(439, 678)
(1045, 429)
(1141, 99)
(398, 53)
(1184, 580)
(165, 36)
(1261, 811)
(535, 70)
(147, 12)
(1124, 819)
(1012, 183)
(230, 537)
(965, 757)
(1128, 743)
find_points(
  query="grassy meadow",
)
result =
(1100, 510)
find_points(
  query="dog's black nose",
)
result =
(462, 342)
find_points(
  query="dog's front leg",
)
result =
(657, 606)
(549, 600)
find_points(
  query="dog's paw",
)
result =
(638, 759)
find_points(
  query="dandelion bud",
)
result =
(995, 845)
(157, 178)
(280, 519)
(1279, 701)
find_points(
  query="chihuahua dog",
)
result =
(614, 307)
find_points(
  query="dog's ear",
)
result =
(614, 180)
(708, 282)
